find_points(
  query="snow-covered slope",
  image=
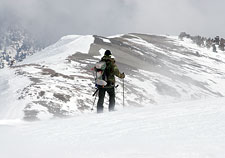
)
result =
(58, 81)
(180, 95)
(183, 130)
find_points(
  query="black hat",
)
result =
(108, 53)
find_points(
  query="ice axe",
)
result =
(95, 94)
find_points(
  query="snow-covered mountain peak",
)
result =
(159, 69)
(179, 85)
(67, 45)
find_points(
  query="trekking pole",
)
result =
(123, 93)
(94, 103)
(95, 94)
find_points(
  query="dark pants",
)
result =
(111, 92)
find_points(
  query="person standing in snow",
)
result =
(111, 71)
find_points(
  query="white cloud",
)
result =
(53, 19)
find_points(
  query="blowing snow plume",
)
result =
(159, 69)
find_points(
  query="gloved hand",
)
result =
(123, 75)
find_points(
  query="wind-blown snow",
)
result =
(181, 95)
(184, 130)
(12, 104)
(102, 52)
(66, 46)
(10, 84)
(159, 69)
(115, 36)
(106, 40)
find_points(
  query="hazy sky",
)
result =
(51, 19)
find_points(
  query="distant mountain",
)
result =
(15, 45)
(58, 80)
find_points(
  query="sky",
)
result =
(52, 19)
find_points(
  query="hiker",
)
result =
(111, 71)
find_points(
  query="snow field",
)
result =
(189, 130)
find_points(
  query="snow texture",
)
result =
(174, 101)
(159, 69)
(184, 130)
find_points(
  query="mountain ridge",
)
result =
(159, 69)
